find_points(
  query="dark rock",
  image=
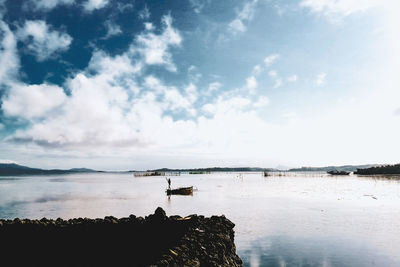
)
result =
(160, 213)
(156, 240)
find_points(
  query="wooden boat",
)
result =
(180, 191)
(336, 172)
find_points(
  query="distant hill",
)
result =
(385, 169)
(7, 169)
(347, 168)
(216, 169)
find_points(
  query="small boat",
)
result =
(336, 172)
(180, 191)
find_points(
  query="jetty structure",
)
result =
(199, 172)
(145, 174)
(155, 173)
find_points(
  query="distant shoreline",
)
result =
(12, 169)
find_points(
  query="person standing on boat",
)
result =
(169, 183)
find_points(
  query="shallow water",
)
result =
(305, 219)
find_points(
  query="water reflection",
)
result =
(361, 209)
(383, 177)
(290, 251)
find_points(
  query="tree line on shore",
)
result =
(385, 169)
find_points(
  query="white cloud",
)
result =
(334, 9)
(41, 40)
(291, 115)
(257, 70)
(261, 102)
(3, 9)
(320, 80)
(273, 73)
(124, 6)
(278, 83)
(153, 83)
(99, 114)
(198, 5)
(154, 48)
(9, 61)
(50, 4)
(245, 15)
(101, 117)
(193, 74)
(176, 101)
(113, 67)
(237, 26)
(99, 98)
(173, 99)
(215, 86)
(251, 84)
(109, 110)
(32, 101)
(94, 113)
(112, 28)
(271, 59)
(225, 105)
(191, 93)
(148, 26)
(292, 78)
(144, 14)
(281, 8)
(276, 78)
(91, 5)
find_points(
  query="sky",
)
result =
(134, 85)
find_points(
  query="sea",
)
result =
(285, 219)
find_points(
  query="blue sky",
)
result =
(113, 84)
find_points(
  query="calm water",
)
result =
(296, 220)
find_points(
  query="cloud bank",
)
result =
(155, 100)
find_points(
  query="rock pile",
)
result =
(156, 240)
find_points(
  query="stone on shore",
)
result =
(156, 240)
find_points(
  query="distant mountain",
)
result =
(7, 169)
(347, 168)
(216, 169)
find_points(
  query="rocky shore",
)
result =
(156, 240)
